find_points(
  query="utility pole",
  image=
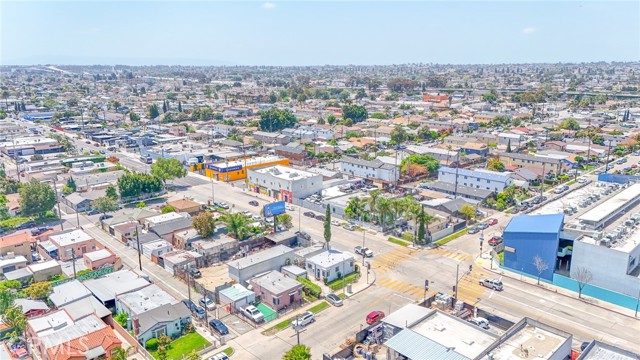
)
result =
(55, 189)
(73, 261)
(213, 199)
(456, 287)
(189, 284)
(455, 191)
(298, 328)
(78, 218)
(544, 176)
(606, 166)
(363, 234)
(139, 250)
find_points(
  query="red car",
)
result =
(374, 316)
(492, 222)
(495, 240)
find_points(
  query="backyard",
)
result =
(184, 345)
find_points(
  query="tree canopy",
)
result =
(356, 113)
(168, 169)
(570, 124)
(298, 352)
(275, 119)
(204, 224)
(105, 204)
(36, 198)
(134, 184)
(399, 135)
(426, 161)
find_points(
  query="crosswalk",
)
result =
(451, 253)
(408, 290)
(387, 261)
(469, 288)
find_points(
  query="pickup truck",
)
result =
(253, 313)
(492, 284)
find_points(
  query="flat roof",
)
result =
(145, 299)
(330, 258)
(451, 332)
(68, 292)
(547, 223)
(158, 219)
(417, 347)
(107, 287)
(286, 173)
(602, 211)
(260, 257)
(43, 265)
(98, 254)
(236, 292)
(250, 162)
(276, 283)
(70, 237)
(407, 316)
(538, 343)
(597, 350)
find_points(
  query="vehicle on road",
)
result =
(105, 217)
(88, 142)
(254, 203)
(247, 213)
(93, 212)
(483, 226)
(189, 304)
(481, 322)
(146, 159)
(582, 181)
(374, 317)
(303, 320)
(102, 152)
(473, 230)
(200, 312)
(257, 218)
(290, 207)
(208, 303)
(492, 222)
(221, 204)
(40, 230)
(309, 214)
(492, 284)
(195, 273)
(495, 240)
(349, 227)
(335, 222)
(320, 217)
(334, 299)
(253, 313)
(363, 251)
(219, 326)
(303, 235)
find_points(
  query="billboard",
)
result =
(273, 209)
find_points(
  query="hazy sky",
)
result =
(310, 33)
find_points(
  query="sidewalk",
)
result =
(485, 263)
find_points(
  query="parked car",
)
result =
(219, 326)
(335, 222)
(473, 230)
(253, 313)
(195, 273)
(208, 303)
(492, 222)
(334, 299)
(481, 322)
(303, 320)
(247, 213)
(40, 230)
(483, 226)
(363, 251)
(26, 225)
(200, 312)
(492, 284)
(105, 217)
(495, 240)
(320, 217)
(349, 227)
(309, 214)
(219, 356)
(582, 181)
(303, 235)
(254, 203)
(290, 207)
(374, 317)
(190, 304)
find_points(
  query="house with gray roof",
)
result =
(167, 319)
(369, 169)
(277, 290)
(479, 178)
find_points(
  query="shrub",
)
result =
(312, 288)
(151, 344)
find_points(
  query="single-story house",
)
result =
(276, 290)
(186, 205)
(330, 265)
(167, 319)
(236, 296)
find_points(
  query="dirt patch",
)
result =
(213, 276)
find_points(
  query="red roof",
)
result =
(15, 239)
(76, 348)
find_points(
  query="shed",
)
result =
(294, 271)
(236, 296)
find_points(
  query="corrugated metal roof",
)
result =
(417, 347)
(548, 223)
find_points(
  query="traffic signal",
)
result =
(426, 285)
(470, 268)
(454, 288)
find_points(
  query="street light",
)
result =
(138, 241)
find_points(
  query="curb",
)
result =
(364, 288)
(560, 293)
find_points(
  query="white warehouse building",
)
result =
(477, 179)
(284, 183)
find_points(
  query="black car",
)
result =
(219, 326)
(195, 273)
(105, 217)
(303, 235)
(25, 225)
(253, 203)
(93, 212)
(309, 214)
(320, 217)
(190, 305)
(40, 230)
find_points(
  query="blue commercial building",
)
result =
(528, 236)
(37, 116)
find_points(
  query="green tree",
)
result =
(384, 210)
(275, 119)
(141, 205)
(105, 204)
(14, 318)
(495, 165)
(356, 113)
(39, 290)
(164, 342)
(285, 220)
(111, 192)
(331, 119)
(237, 224)
(298, 352)
(204, 224)
(374, 196)
(327, 226)
(133, 116)
(167, 169)
(509, 146)
(355, 208)
(179, 106)
(489, 97)
(71, 184)
(36, 198)
(168, 209)
(426, 161)
(6, 300)
(120, 353)
(134, 184)
(164, 106)
(399, 135)
(193, 355)
(570, 124)
(152, 111)
(468, 212)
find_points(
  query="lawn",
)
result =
(316, 309)
(228, 351)
(452, 237)
(398, 241)
(286, 323)
(184, 345)
(340, 283)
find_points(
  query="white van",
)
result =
(481, 322)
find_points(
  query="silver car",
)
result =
(334, 300)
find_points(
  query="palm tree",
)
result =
(355, 208)
(120, 353)
(424, 219)
(399, 207)
(414, 210)
(373, 201)
(298, 352)
(384, 210)
(237, 224)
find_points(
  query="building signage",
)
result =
(509, 249)
(224, 169)
(274, 209)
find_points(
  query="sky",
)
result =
(317, 33)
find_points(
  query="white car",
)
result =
(253, 313)
(303, 320)
(582, 181)
(290, 207)
(219, 356)
(256, 218)
(335, 222)
(247, 213)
